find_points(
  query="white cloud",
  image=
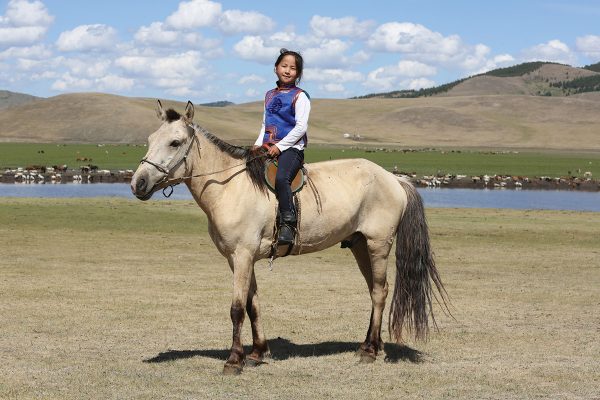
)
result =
(339, 27)
(44, 75)
(71, 83)
(329, 75)
(86, 67)
(194, 14)
(409, 38)
(251, 79)
(553, 50)
(34, 52)
(411, 69)
(197, 41)
(88, 38)
(333, 87)
(254, 48)
(420, 43)
(26, 13)
(114, 83)
(589, 45)
(393, 77)
(329, 53)
(21, 35)
(175, 73)
(416, 84)
(251, 22)
(68, 82)
(182, 91)
(156, 35)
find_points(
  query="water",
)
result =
(444, 198)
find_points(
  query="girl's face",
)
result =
(286, 70)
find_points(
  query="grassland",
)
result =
(422, 162)
(110, 298)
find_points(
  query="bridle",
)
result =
(173, 164)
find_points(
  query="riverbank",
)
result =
(56, 176)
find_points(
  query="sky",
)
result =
(205, 50)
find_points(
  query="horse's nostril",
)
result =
(141, 185)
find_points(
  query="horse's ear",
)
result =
(160, 112)
(189, 112)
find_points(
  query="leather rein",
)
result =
(166, 169)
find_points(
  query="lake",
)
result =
(438, 197)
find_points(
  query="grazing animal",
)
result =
(353, 202)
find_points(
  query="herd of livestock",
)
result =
(91, 174)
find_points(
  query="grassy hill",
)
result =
(494, 121)
(10, 99)
(531, 78)
(529, 106)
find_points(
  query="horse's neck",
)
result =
(221, 177)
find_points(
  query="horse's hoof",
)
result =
(252, 362)
(365, 357)
(229, 369)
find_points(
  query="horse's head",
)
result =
(168, 148)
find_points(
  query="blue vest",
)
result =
(280, 113)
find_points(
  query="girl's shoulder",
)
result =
(305, 92)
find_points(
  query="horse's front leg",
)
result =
(242, 267)
(260, 348)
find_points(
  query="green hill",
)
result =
(533, 78)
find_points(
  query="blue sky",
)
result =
(205, 50)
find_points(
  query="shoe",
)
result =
(287, 228)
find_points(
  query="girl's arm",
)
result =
(261, 134)
(302, 113)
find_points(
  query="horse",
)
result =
(353, 201)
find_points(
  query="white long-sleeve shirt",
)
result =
(292, 139)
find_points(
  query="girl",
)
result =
(285, 121)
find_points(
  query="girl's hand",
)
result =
(274, 151)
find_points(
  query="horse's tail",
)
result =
(411, 303)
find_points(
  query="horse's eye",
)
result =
(175, 143)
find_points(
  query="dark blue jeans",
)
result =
(289, 163)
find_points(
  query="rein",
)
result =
(166, 170)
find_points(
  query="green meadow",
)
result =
(418, 161)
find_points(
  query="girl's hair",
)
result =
(299, 61)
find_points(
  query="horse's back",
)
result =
(357, 191)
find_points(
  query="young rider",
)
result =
(285, 122)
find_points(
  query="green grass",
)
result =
(470, 162)
(426, 162)
(105, 157)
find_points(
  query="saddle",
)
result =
(271, 172)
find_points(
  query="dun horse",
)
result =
(351, 201)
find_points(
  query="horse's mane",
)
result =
(255, 164)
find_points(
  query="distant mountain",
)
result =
(222, 103)
(9, 99)
(532, 78)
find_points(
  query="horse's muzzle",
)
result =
(140, 186)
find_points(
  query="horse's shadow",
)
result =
(283, 349)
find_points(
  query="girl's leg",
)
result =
(289, 163)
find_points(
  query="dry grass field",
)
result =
(119, 299)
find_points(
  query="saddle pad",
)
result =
(271, 171)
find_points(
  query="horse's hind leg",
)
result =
(260, 348)
(372, 260)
